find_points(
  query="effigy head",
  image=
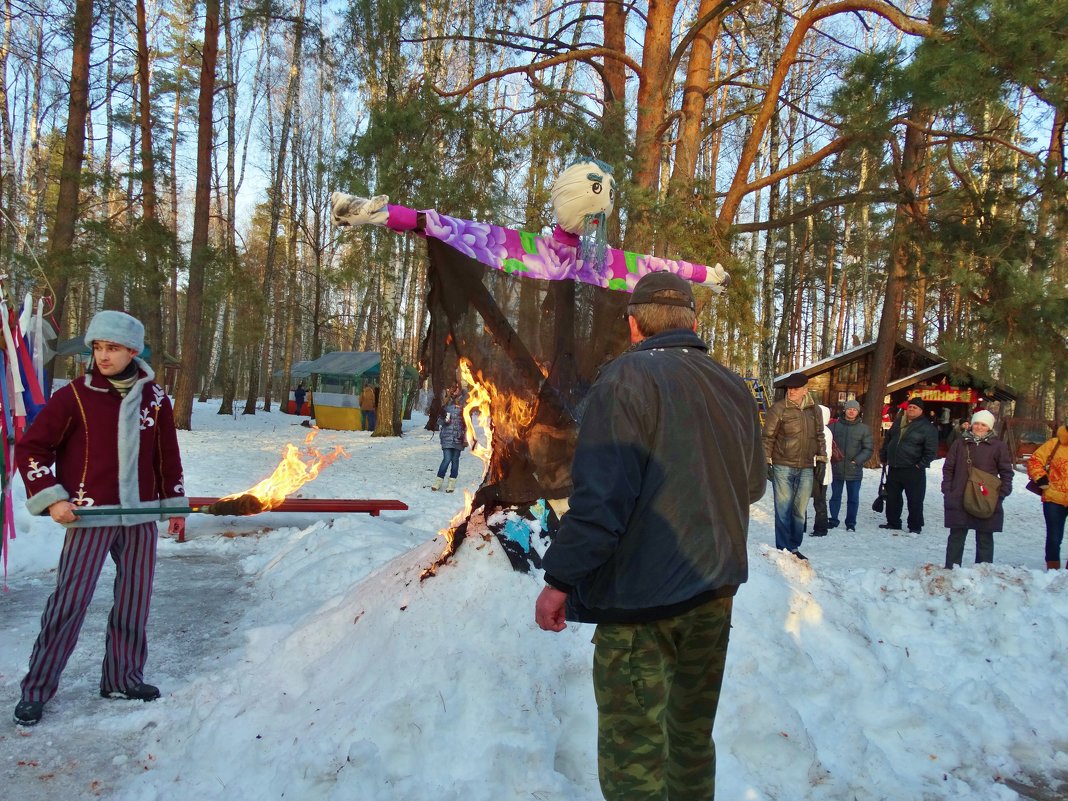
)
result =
(582, 196)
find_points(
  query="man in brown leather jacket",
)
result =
(793, 442)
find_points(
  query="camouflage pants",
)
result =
(657, 688)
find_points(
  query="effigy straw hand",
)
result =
(718, 279)
(354, 210)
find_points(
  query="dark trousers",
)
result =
(1055, 516)
(819, 503)
(913, 482)
(369, 419)
(657, 688)
(133, 549)
(984, 546)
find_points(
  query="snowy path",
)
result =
(197, 603)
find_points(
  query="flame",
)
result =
(486, 409)
(484, 398)
(293, 472)
(478, 400)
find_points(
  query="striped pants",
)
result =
(133, 549)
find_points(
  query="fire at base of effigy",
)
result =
(503, 428)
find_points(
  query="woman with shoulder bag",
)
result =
(981, 450)
(1048, 469)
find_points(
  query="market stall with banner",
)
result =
(947, 404)
(337, 379)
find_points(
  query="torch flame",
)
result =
(293, 472)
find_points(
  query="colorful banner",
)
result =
(946, 394)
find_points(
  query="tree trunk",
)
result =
(907, 222)
(275, 194)
(199, 253)
(62, 238)
(653, 86)
(150, 225)
(694, 99)
(8, 179)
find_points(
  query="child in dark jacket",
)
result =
(451, 433)
(105, 441)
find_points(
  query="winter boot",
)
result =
(139, 692)
(435, 485)
(28, 713)
(451, 486)
(1053, 565)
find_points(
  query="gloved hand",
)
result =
(771, 472)
(1042, 482)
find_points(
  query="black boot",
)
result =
(28, 713)
(139, 692)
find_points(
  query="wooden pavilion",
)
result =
(951, 392)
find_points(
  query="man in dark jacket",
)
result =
(793, 442)
(653, 547)
(854, 441)
(908, 449)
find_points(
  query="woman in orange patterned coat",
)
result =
(1054, 484)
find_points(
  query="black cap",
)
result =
(915, 402)
(794, 380)
(651, 283)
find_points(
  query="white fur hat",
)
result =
(118, 327)
(983, 416)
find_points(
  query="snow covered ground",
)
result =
(301, 657)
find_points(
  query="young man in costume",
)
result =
(105, 440)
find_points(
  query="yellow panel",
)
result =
(338, 419)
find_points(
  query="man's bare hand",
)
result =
(176, 526)
(549, 609)
(63, 512)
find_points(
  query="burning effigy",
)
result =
(527, 319)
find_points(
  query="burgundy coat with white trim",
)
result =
(991, 455)
(104, 450)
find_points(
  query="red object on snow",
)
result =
(371, 506)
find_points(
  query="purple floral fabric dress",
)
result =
(555, 257)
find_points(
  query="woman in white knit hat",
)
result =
(986, 452)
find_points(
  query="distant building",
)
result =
(950, 392)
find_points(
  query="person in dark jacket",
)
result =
(908, 449)
(453, 437)
(854, 440)
(988, 453)
(793, 443)
(298, 397)
(653, 548)
(958, 431)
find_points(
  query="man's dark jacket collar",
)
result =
(675, 338)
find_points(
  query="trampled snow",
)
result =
(301, 657)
